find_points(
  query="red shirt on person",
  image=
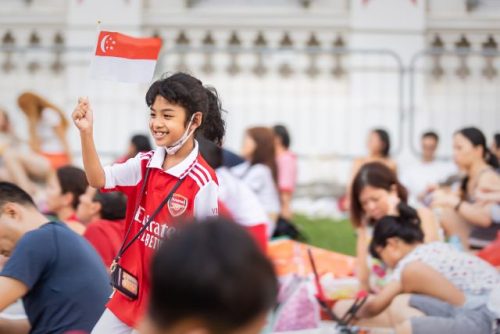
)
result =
(197, 196)
(106, 236)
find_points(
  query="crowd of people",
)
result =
(67, 232)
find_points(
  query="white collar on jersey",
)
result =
(179, 170)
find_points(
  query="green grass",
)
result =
(326, 233)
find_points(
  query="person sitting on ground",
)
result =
(423, 176)
(64, 188)
(462, 215)
(435, 269)
(48, 127)
(103, 213)
(376, 192)
(441, 317)
(242, 203)
(58, 275)
(379, 148)
(287, 169)
(138, 144)
(18, 163)
(198, 295)
(259, 171)
(490, 197)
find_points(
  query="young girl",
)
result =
(48, 127)
(434, 270)
(179, 106)
(376, 192)
(259, 171)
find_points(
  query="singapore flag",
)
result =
(123, 58)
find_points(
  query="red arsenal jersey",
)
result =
(196, 196)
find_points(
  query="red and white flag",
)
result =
(124, 58)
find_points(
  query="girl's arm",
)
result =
(417, 278)
(378, 303)
(83, 119)
(429, 224)
(363, 271)
(420, 278)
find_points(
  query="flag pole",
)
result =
(89, 80)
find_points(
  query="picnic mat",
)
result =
(291, 256)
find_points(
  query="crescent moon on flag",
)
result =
(103, 43)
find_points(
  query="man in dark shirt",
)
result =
(58, 275)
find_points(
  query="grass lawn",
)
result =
(335, 235)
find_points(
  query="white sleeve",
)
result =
(123, 174)
(270, 192)
(206, 201)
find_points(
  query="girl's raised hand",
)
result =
(82, 115)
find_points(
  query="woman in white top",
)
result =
(241, 202)
(47, 128)
(259, 171)
(462, 214)
(434, 270)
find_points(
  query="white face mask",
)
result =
(172, 149)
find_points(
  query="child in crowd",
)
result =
(163, 185)
(103, 214)
(259, 171)
(64, 188)
(223, 285)
(377, 192)
(435, 269)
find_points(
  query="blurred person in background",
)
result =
(495, 146)
(198, 295)
(48, 127)
(58, 275)
(64, 188)
(421, 177)
(379, 148)
(18, 163)
(138, 144)
(377, 192)
(287, 169)
(241, 202)
(103, 213)
(462, 214)
(425, 278)
(259, 171)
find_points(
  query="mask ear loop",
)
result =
(172, 149)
